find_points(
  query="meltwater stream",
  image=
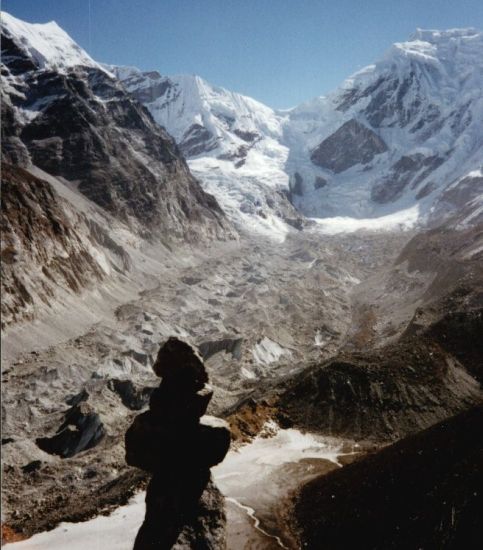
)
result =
(256, 478)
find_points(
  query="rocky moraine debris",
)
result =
(178, 444)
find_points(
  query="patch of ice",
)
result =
(318, 341)
(252, 462)
(114, 532)
(267, 351)
(248, 373)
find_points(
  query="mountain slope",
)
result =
(233, 145)
(70, 117)
(45, 245)
(426, 488)
(89, 179)
(418, 116)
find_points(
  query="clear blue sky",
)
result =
(281, 52)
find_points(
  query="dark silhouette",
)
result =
(174, 443)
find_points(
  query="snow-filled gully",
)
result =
(255, 478)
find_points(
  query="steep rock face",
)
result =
(77, 121)
(351, 144)
(426, 487)
(459, 333)
(208, 529)
(410, 169)
(82, 429)
(45, 246)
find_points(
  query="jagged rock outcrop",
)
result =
(409, 169)
(132, 397)
(425, 491)
(178, 445)
(351, 144)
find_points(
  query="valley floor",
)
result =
(261, 312)
(255, 478)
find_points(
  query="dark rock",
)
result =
(133, 398)
(228, 345)
(319, 182)
(74, 400)
(179, 405)
(207, 530)
(459, 333)
(239, 155)
(403, 388)
(178, 445)
(178, 363)
(6, 440)
(196, 140)
(296, 185)
(154, 445)
(157, 88)
(32, 466)
(296, 223)
(246, 135)
(353, 143)
(425, 491)
(412, 169)
(352, 96)
(82, 429)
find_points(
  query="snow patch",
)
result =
(241, 468)
(49, 45)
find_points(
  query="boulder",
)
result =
(82, 429)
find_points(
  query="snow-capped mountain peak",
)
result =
(200, 116)
(46, 44)
(396, 133)
(393, 137)
(233, 143)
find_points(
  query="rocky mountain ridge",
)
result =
(77, 122)
(89, 171)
